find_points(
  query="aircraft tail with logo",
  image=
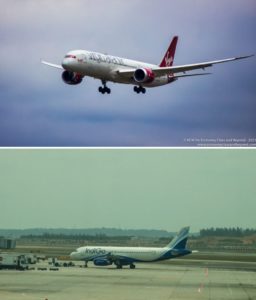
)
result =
(180, 240)
(178, 246)
(169, 55)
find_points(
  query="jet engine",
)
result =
(71, 78)
(102, 262)
(144, 75)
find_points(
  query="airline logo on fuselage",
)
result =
(98, 251)
(105, 58)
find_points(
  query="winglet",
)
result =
(169, 55)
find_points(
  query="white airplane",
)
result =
(121, 256)
(80, 63)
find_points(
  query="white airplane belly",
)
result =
(141, 256)
(158, 81)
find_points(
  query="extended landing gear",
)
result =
(104, 89)
(139, 89)
(86, 264)
(119, 266)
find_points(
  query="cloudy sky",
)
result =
(151, 189)
(38, 109)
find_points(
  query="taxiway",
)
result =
(148, 281)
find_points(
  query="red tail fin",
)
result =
(169, 56)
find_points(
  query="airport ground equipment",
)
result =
(13, 261)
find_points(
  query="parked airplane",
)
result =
(121, 256)
(80, 63)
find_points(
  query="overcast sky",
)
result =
(38, 109)
(149, 189)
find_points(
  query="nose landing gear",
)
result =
(139, 89)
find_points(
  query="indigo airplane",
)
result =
(121, 256)
(78, 64)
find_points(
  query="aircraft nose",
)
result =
(73, 255)
(65, 64)
(69, 61)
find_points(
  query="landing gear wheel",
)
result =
(104, 89)
(139, 89)
(132, 266)
(118, 266)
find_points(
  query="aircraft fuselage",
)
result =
(106, 67)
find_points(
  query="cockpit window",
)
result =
(70, 56)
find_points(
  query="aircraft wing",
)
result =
(114, 257)
(182, 69)
(189, 75)
(51, 65)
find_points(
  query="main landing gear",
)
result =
(139, 89)
(120, 266)
(104, 89)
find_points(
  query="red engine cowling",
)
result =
(144, 75)
(71, 78)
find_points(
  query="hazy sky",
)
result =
(38, 109)
(151, 189)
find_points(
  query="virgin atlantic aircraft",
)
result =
(78, 64)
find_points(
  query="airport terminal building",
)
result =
(7, 243)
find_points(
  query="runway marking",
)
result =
(230, 292)
(175, 288)
(201, 286)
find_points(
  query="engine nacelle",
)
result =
(144, 75)
(102, 262)
(71, 78)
